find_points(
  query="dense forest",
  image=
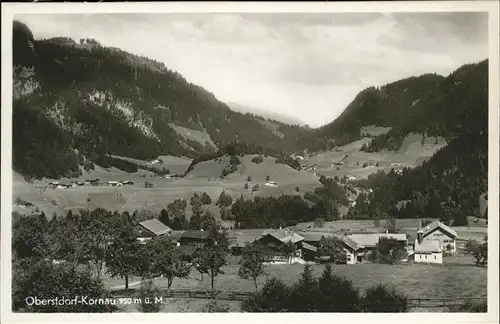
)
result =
(455, 106)
(76, 103)
(380, 106)
(447, 186)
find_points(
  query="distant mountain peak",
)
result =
(265, 114)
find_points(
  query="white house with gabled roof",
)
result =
(429, 251)
(437, 231)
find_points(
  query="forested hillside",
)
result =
(455, 106)
(74, 103)
(88, 100)
(384, 106)
(447, 186)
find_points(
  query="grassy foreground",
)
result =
(415, 280)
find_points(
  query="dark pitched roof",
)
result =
(155, 226)
(440, 226)
(284, 235)
(175, 236)
(309, 247)
(350, 243)
(194, 234)
(371, 240)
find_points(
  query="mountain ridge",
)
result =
(96, 101)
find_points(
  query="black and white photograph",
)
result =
(250, 161)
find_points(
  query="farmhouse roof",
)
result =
(427, 247)
(439, 226)
(309, 247)
(350, 243)
(284, 235)
(175, 236)
(155, 226)
(371, 240)
(193, 234)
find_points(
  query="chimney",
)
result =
(419, 224)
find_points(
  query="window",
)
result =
(426, 257)
(434, 257)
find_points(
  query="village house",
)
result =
(359, 246)
(193, 237)
(427, 251)
(276, 241)
(114, 183)
(152, 228)
(271, 184)
(437, 231)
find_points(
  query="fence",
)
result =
(420, 302)
(199, 294)
(441, 302)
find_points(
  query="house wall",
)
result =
(351, 256)
(443, 238)
(277, 245)
(429, 258)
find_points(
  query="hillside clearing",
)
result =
(414, 150)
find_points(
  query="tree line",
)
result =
(66, 257)
(328, 293)
(447, 186)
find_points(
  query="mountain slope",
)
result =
(273, 116)
(384, 106)
(98, 101)
(449, 184)
(455, 106)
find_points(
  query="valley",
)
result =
(125, 169)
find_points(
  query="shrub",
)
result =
(246, 186)
(336, 294)
(257, 159)
(289, 161)
(225, 200)
(234, 160)
(147, 294)
(273, 297)
(380, 299)
(255, 187)
(45, 280)
(205, 199)
(229, 169)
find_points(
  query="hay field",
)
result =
(414, 150)
(205, 177)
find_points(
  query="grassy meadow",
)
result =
(415, 280)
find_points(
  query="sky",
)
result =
(309, 66)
